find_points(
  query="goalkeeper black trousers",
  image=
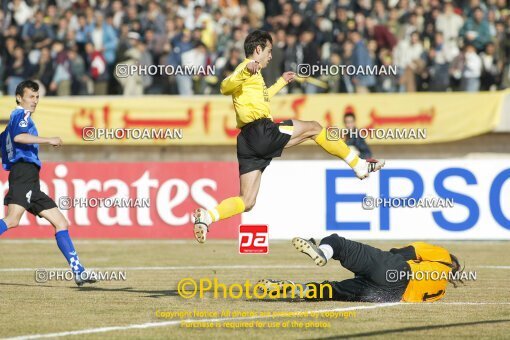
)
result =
(379, 276)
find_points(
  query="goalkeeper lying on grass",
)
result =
(418, 272)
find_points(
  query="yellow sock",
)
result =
(227, 208)
(337, 148)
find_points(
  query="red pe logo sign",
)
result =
(253, 239)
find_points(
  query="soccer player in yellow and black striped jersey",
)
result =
(260, 138)
(418, 272)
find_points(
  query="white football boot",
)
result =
(202, 221)
(365, 167)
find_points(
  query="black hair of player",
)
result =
(26, 84)
(349, 115)
(456, 268)
(254, 39)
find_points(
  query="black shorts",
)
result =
(25, 190)
(260, 141)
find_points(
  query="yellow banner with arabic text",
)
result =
(210, 120)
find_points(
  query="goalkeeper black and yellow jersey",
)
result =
(430, 272)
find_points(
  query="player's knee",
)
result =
(333, 240)
(315, 129)
(65, 225)
(11, 222)
(249, 204)
(62, 225)
(338, 238)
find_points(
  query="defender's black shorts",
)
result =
(24, 189)
(260, 141)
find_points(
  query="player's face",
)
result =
(29, 100)
(349, 123)
(266, 55)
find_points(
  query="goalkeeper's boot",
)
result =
(310, 248)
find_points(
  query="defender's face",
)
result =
(29, 100)
(266, 55)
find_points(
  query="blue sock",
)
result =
(3, 227)
(67, 248)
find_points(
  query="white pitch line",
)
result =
(178, 322)
(5, 270)
(164, 268)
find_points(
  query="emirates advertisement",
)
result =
(131, 200)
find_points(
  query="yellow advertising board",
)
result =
(210, 120)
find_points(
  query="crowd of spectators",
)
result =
(73, 46)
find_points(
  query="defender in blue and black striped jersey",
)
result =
(20, 155)
(13, 152)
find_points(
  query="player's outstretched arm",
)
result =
(26, 138)
(230, 84)
(286, 78)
